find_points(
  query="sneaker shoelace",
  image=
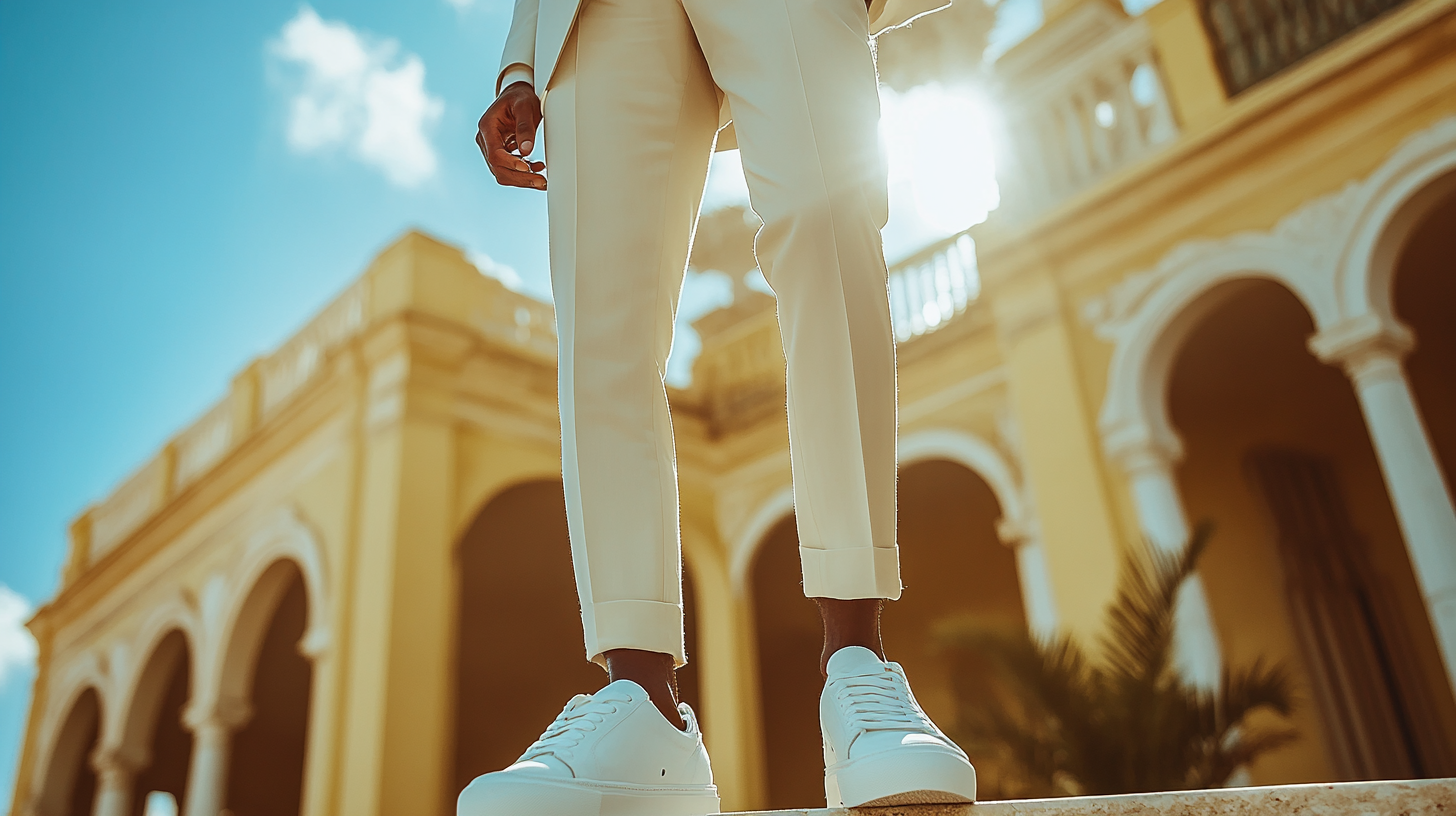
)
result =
(583, 714)
(881, 702)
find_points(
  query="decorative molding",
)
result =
(1296, 252)
(1335, 253)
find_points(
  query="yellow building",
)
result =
(1220, 287)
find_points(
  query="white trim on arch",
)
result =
(125, 733)
(1346, 287)
(1147, 315)
(228, 604)
(976, 455)
(87, 671)
(771, 511)
(1419, 174)
(1017, 525)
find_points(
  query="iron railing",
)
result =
(1255, 39)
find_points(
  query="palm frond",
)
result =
(1125, 723)
(1139, 636)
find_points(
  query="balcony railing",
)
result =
(1256, 39)
(1098, 108)
(933, 286)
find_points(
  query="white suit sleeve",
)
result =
(520, 50)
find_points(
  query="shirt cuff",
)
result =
(513, 73)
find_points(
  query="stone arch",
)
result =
(769, 513)
(65, 773)
(249, 625)
(151, 744)
(976, 455)
(1148, 315)
(1396, 198)
(282, 545)
(1193, 284)
(478, 498)
(964, 448)
(143, 701)
(86, 672)
(515, 552)
(140, 693)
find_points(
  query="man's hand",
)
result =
(506, 135)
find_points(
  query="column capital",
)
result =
(221, 716)
(115, 762)
(315, 642)
(1139, 450)
(1012, 532)
(1360, 343)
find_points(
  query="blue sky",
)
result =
(181, 185)
(158, 229)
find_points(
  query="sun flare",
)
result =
(939, 142)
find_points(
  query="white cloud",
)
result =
(461, 5)
(491, 268)
(360, 95)
(17, 647)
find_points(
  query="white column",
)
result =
(207, 776)
(1149, 469)
(1371, 354)
(113, 784)
(1037, 598)
(1036, 590)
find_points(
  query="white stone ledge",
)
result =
(1408, 798)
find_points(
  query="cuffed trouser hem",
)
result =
(851, 574)
(652, 626)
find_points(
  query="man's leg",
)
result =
(800, 79)
(630, 118)
(801, 82)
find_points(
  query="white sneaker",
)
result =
(879, 747)
(607, 754)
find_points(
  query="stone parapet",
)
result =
(1405, 798)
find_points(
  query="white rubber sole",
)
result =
(901, 777)
(491, 795)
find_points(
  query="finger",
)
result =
(515, 178)
(502, 159)
(512, 171)
(525, 126)
(492, 130)
(480, 143)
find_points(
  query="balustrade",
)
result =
(933, 286)
(1099, 107)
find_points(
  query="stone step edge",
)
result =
(1383, 798)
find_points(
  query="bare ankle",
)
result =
(849, 623)
(654, 672)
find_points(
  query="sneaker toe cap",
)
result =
(526, 787)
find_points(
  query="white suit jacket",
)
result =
(539, 29)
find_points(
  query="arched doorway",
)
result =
(1307, 563)
(1425, 300)
(154, 723)
(266, 776)
(953, 566)
(518, 647)
(70, 781)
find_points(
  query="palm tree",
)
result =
(1061, 722)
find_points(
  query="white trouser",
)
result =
(630, 116)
